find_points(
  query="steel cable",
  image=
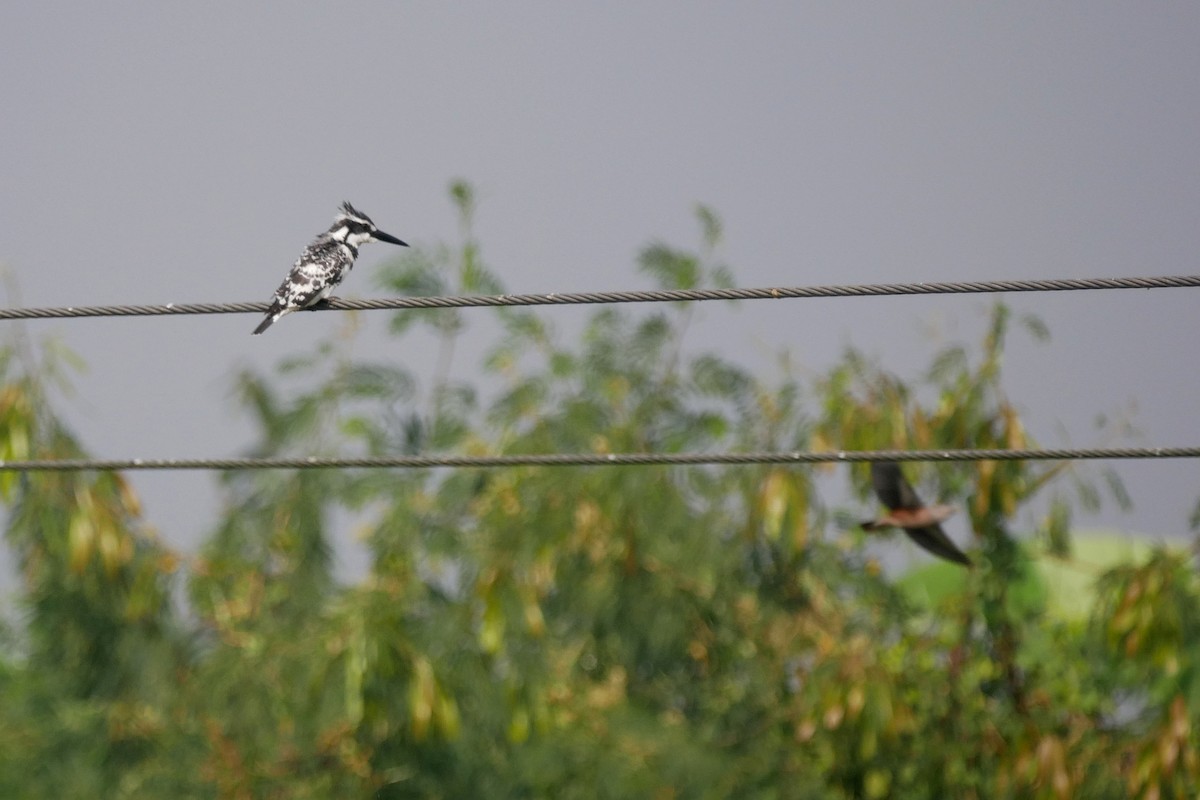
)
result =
(593, 298)
(592, 459)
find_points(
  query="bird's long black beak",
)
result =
(380, 236)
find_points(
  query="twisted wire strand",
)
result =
(593, 298)
(593, 459)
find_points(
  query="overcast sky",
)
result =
(160, 152)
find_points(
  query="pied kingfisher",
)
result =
(325, 263)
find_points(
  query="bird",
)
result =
(324, 263)
(907, 512)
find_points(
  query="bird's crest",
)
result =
(348, 212)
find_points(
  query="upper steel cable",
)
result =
(592, 298)
(593, 459)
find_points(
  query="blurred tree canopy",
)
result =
(579, 632)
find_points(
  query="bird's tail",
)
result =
(266, 323)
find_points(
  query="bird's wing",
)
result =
(311, 275)
(893, 490)
(933, 539)
(908, 495)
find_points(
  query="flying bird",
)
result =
(907, 512)
(325, 263)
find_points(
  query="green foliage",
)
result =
(573, 632)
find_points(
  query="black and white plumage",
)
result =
(325, 263)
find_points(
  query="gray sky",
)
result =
(186, 153)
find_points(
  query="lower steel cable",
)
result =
(591, 459)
